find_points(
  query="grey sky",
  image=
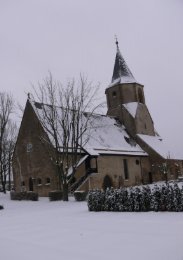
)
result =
(68, 37)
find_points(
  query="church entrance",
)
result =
(107, 182)
(31, 186)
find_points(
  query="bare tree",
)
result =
(65, 118)
(8, 145)
(6, 108)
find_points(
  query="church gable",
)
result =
(31, 161)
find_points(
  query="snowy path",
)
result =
(46, 230)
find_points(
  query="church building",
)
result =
(123, 150)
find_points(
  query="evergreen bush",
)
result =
(80, 195)
(1, 207)
(24, 195)
(167, 197)
(55, 195)
(96, 200)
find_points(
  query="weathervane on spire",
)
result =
(116, 41)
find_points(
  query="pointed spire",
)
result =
(121, 72)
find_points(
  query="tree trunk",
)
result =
(65, 192)
(9, 173)
(4, 186)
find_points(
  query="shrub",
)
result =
(32, 196)
(96, 200)
(55, 195)
(162, 198)
(24, 195)
(80, 195)
(1, 207)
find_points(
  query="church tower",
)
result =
(126, 101)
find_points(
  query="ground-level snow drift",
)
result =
(67, 230)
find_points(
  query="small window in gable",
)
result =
(29, 147)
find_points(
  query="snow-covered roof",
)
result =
(131, 108)
(104, 135)
(159, 146)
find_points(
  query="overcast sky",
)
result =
(68, 37)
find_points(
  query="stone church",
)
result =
(124, 148)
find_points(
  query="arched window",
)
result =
(39, 181)
(48, 181)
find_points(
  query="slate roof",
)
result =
(121, 72)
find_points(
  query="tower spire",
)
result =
(121, 72)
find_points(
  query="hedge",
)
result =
(140, 199)
(80, 195)
(55, 195)
(24, 195)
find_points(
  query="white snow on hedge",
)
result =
(67, 230)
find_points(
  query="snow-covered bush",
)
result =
(162, 198)
(55, 195)
(96, 200)
(80, 195)
(156, 198)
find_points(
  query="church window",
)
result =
(137, 162)
(125, 165)
(39, 182)
(114, 94)
(29, 147)
(48, 181)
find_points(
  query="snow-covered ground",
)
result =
(46, 230)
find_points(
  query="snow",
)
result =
(70, 170)
(103, 135)
(123, 80)
(131, 108)
(67, 230)
(158, 145)
(108, 137)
